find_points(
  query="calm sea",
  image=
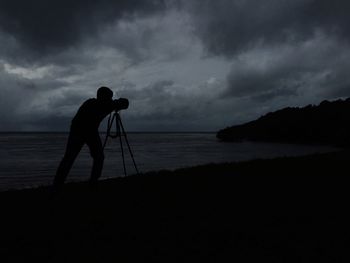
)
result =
(31, 159)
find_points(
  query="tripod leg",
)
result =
(121, 142)
(109, 126)
(127, 143)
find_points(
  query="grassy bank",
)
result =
(280, 210)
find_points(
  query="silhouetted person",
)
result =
(84, 130)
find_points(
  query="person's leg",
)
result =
(96, 151)
(74, 145)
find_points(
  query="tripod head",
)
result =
(122, 103)
(113, 117)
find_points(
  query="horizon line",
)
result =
(105, 132)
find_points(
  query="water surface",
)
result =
(31, 159)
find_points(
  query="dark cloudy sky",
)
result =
(185, 65)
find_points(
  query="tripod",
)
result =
(119, 132)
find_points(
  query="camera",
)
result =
(123, 103)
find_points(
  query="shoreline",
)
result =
(330, 150)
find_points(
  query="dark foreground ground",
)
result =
(281, 210)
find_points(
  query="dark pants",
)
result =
(76, 141)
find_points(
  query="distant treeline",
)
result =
(327, 123)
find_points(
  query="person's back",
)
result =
(91, 113)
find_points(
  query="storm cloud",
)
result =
(231, 27)
(292, 69)
(296, 51)
(49, 26)
(184, 65)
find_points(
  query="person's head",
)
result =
(104, 93)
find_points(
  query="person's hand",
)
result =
(123, 103)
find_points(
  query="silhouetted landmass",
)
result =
(327, 123)
(280, 210)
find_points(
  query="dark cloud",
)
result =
(278, 48)
(48, 26)
(317, 66)
(184, 65)
(228, 27)
(12, 98)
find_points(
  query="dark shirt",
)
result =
(91, 113)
